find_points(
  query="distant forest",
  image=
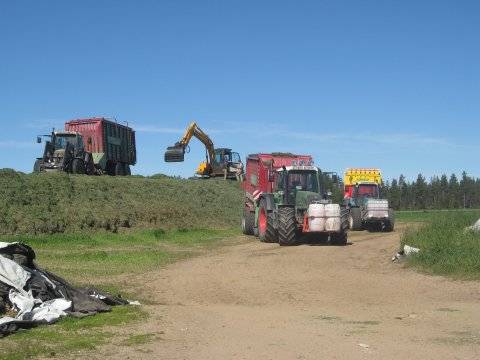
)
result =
(439, 193)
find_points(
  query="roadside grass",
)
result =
(110, 262)
(445, 247)
(428, 215)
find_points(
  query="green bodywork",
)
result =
(100, 159)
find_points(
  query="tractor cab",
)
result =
(364, 191)
(227, 163)
(297, 185)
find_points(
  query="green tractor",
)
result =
(285, 204)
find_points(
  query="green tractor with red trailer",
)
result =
(285, 201)
(92, 146)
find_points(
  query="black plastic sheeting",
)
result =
(47, 286)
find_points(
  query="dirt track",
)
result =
(262, 301)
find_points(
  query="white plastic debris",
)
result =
(364, 346)
(406, 251)
(475, 227)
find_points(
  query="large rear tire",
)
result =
(287, 226)
(78, 166)
(355, 219)
(266, 228)
(339, 238)
(248, 222)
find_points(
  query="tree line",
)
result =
(440, 192)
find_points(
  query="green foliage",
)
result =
(439, 193)
(50, 203)
(445, 247)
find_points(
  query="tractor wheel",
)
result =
(391, 221)
(36, 166)
(248, 222)
(128, 172)
(266, 229)
(119, 169)
(78, 166)
(355, 219)
(340, 238)
(287, 226)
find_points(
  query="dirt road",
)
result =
(262, 301)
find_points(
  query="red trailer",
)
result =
(112, 145)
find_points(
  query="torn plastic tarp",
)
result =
(38, 296)
(406, 251)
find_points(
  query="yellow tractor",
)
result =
(220, 162)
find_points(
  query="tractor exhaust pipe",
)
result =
(175, 153)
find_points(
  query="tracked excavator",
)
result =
(219, 162)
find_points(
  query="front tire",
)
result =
(355, 219)
(36, 166)
(287, 226)
(119, 169)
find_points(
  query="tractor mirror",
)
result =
(39, 139)
(271, 176)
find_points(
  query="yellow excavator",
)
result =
(220, 162)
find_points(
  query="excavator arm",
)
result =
(176, 153)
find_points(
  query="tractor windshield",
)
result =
(366, 191)
(299, 180)
(61, 141)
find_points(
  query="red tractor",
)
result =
(285, 199)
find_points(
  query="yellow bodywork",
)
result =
(362, 175)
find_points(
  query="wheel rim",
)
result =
(262, 221)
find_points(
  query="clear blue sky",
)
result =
(389, 84)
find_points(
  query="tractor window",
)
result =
(368, 191)
(218, 158)
(61, 141)
(303, 181)
(235, 157)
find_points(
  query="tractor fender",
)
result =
(269, 201)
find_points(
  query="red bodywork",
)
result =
(259, 166)
(100, 135)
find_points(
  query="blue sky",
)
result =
(389, 84)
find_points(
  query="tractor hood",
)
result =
(305, 198)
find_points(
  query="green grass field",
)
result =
(110, 262)
(445, 247)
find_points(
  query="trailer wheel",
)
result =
(287, 226)
(248, 222)
(355, 219)
(119, 169)
(78, 166)
(266, 229)
(391, 221)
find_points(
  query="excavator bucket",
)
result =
(175, 154)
